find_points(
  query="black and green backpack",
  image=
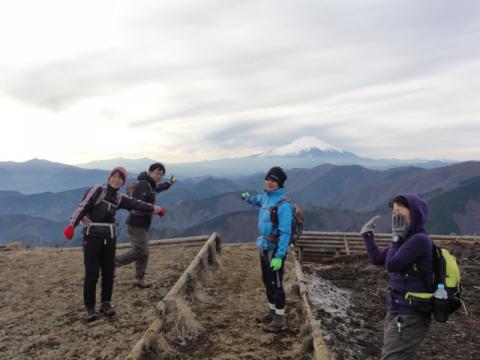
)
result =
(447, 272)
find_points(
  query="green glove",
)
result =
(244, 195)
(276, 264)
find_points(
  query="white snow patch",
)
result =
(302, 145)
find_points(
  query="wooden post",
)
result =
(182, 286)
(345, 241)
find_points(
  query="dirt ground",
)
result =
(42, 314)
(224, 309)
(349, 297)
(41, 304)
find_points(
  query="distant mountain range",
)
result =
(336, 198)
(35, 176)
(306, 152)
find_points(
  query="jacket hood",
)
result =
(418, 212)
(144, 176)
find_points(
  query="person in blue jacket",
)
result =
(409, 261)
(272, 242)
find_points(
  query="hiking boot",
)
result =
(107, 309)
(141, 283)
(265, 318)
(92, 315)
(277, 325)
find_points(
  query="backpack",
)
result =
(298, 219)
(447, 272)
(131, 187)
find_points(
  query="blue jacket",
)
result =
(400, 257)
(266, 228)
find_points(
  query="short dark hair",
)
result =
(401, 200)
(156, 166)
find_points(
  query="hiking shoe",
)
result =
(141, 283)
(92, 315)
(277, 325)
(265, 318)
(107, 309)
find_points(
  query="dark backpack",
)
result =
(131, 188)
(298, 219)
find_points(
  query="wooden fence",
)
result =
(314, 245)
(207, 256)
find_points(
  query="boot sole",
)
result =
(274, 330)
(263, 321)
(109, 315)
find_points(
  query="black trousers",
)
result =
(99, 254)
(273, 280)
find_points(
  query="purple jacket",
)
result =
(399, 259)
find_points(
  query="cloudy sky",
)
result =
(203, 79)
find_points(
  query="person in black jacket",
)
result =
(139, 222)
(97, 214)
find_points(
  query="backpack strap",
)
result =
(101, 197)
(274, 211)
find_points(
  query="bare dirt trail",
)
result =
(225, 309)
(41, 304)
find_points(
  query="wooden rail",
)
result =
(314, 338)
(315, 246)
(183, 287)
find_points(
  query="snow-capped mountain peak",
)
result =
(301, 146)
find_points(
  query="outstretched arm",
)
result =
(255, 200)
(134, 204)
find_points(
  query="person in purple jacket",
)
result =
(409, 261)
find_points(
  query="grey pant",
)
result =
(138, 237)
(403, 335)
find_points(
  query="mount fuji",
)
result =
(305, 152)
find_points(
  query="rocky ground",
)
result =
(349, 298)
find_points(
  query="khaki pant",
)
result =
(138, 253)
(403, 335)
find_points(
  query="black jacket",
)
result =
(101, 202)
(145, 190)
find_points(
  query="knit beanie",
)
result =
(276, 174)
(121, 171)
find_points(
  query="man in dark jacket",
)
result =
(97, 214)
(139, 222)
(409, 261)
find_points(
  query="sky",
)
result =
(183, 81)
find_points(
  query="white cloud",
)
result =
(191, 80)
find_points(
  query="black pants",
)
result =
(99, 253)
(273, 280)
